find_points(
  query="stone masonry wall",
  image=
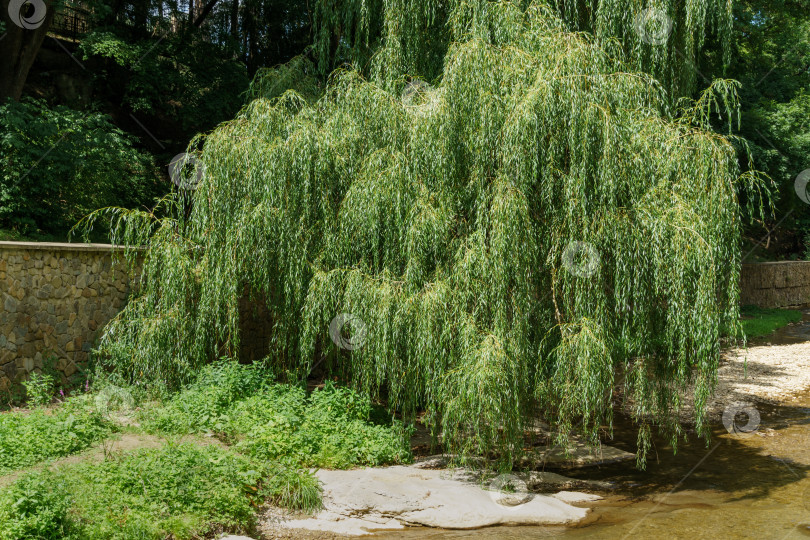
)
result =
(775, 284)
(54, 300)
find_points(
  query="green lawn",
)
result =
(758, 322)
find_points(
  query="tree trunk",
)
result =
(141, 17)
(112, 15)
(235, 19)
(18, 49)
(204, 12)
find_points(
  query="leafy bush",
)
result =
(189, 87)
(33, 507)
(334, 432)
(58, 164)
(205, 404)
(39, 389)
(328, 428)
(27, 438)
(122, 392)
(177, 491)
(293, 488)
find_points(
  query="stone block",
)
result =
(70, 369)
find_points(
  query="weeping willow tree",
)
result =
(533, 232)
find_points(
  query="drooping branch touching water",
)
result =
(531, 232)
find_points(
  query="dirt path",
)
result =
(766, 372)
(772, 373)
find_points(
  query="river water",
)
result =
(755, 487)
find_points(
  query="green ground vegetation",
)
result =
(28, 437)
(759, 322)
(266, 435)
(329, 427)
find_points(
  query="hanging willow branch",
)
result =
(439, 222)
(660, 37)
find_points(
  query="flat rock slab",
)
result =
(359, 501)
(581, 455)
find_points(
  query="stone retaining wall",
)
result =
(775, 284)
(54, 300)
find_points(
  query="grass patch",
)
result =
(179, 491)
(758, 322)
(35, 507)
(182, 491)
(29, 437)
(244, 407)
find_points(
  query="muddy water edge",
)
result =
(752, 487)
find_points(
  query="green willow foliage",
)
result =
(448, 222)
(660, 37)
(672, 35)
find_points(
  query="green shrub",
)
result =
(182, 491)
(205, 404)
(35, 507)
(39, 389)
(270, 421)
(293, 488)
(122, 392)
(27, 438)
(83, 162)
(331, 429)
(179, 491)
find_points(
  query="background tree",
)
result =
(57, 164)
(20, 45)
(772, 61)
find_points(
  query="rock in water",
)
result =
(579, 454)
(359, 501)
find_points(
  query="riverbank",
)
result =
(360, 501)
(772, 370)
(772, 374)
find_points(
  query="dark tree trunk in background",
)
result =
(196, 23)
(335, 43)
(117, 7)
(18, 50)
(235, 18)
(204, 12)
(141, 16)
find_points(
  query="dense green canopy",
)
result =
(661, 37)
(533, 231)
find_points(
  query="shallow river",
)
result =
(752, 487)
